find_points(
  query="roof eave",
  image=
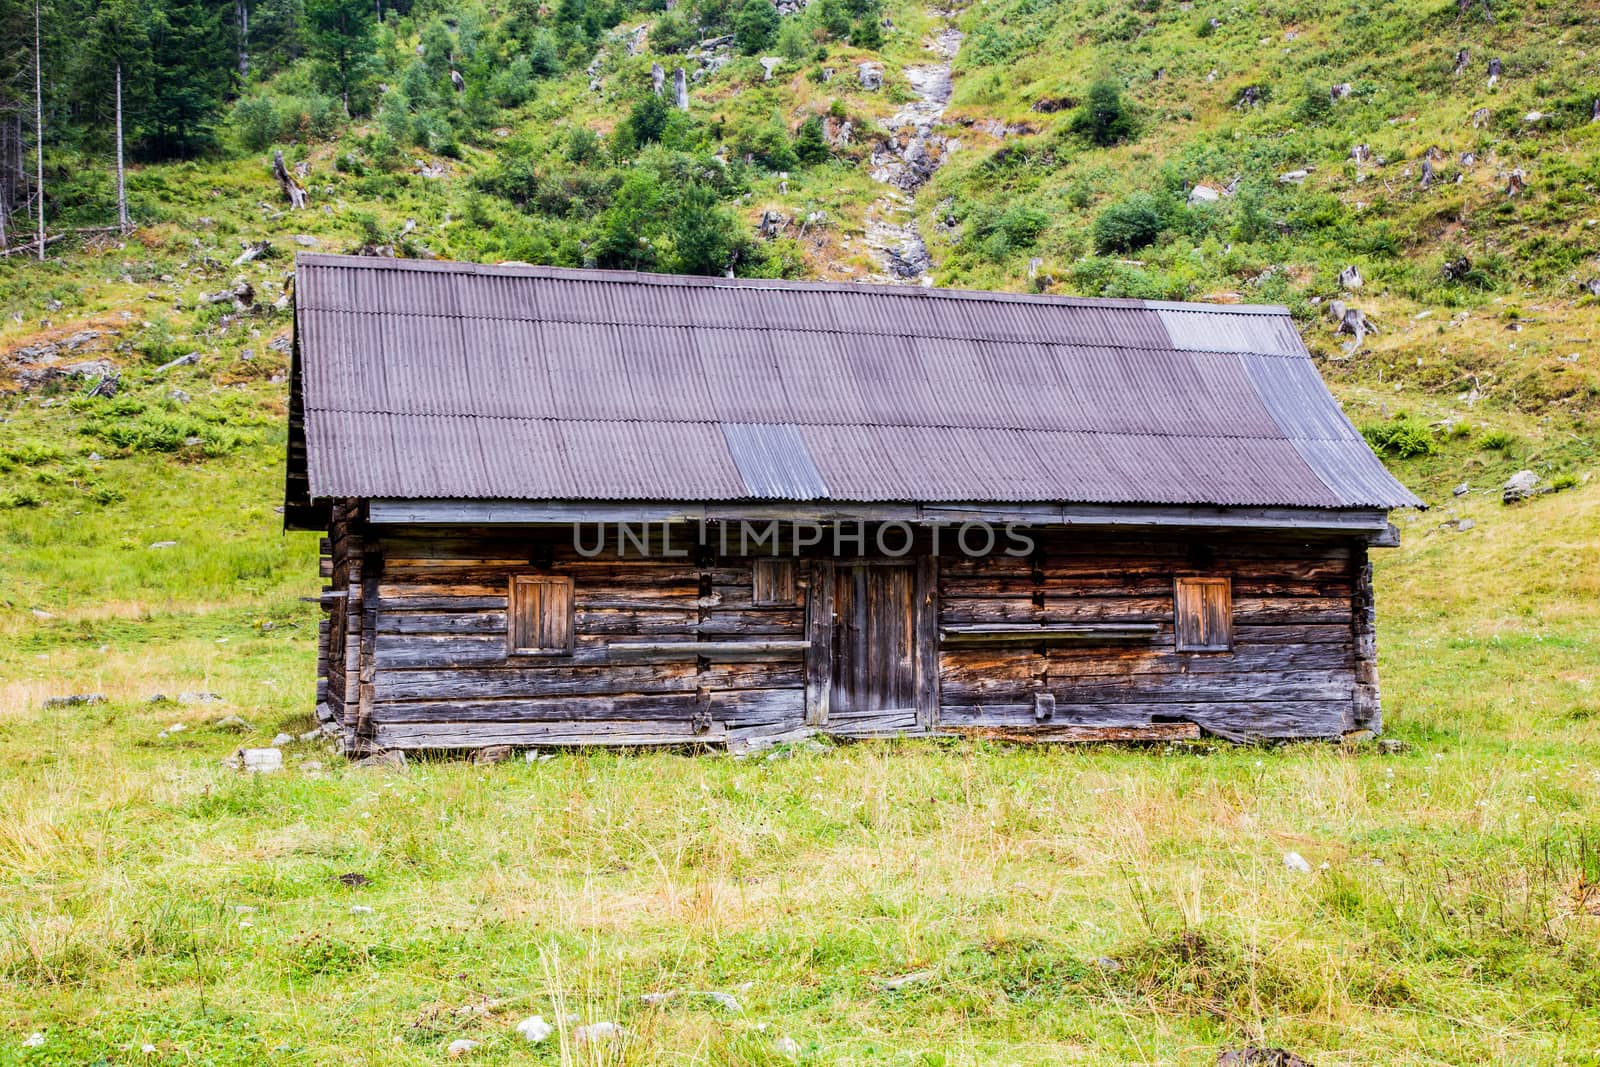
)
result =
(1361, 521)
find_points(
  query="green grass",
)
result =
(1441, 922)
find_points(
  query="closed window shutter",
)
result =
(774, 582)
(539, 615)
(1203, 614)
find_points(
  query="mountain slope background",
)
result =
(1156, 150)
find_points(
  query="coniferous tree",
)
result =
(809, 143)
(755, 26)
(342, 35)
(191, 70)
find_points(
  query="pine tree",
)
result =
(755, 26)
(867, 33)
(175, 111)
(1104, 117)
(342, 35)
(809, 143)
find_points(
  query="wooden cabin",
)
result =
(577, 507)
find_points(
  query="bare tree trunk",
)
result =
(38, 115)
(122, 183)
(293, 191)
(5, 184)
(241, 16)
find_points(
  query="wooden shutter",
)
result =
(539, 616)
(774, 581)
(1204, 614)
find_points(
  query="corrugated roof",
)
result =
(425, 380)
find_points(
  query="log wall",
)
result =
(675, 650)
(1291, 672)
(665, 650)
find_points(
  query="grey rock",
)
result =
(281, 739)
(768, 65)
(904, 980)
(680, 89)
(1252, 1056)
(534, 1029)
(75, 700)
(658, 78)
(1391, 746)
(259, 760)
(187, 360)
(1204, 194)
(1520, 486)
(723, 1000)
(1461, 490)
(391, 758)
(202, 697)
(1463, 525)
(1350, 278)
(232, 723)
(163, 544)
(870, 75)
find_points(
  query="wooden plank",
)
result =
(1021, 633)
(471, 622)
(1059, 733)
(1366, 710)
(744, 705)
(604, 679)
(530, 734)
(819, 632)
(925, 640)
(707, 649)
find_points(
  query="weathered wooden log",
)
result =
(293, 191)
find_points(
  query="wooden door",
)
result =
(872, 667)
(874, 643)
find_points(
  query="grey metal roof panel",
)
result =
(459, 380)
(1351, 472)
(773, 462)
(1220, 330)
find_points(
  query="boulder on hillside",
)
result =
(1519, 487)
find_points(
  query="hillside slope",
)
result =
(912, 144)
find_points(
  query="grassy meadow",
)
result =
(1052, 905)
